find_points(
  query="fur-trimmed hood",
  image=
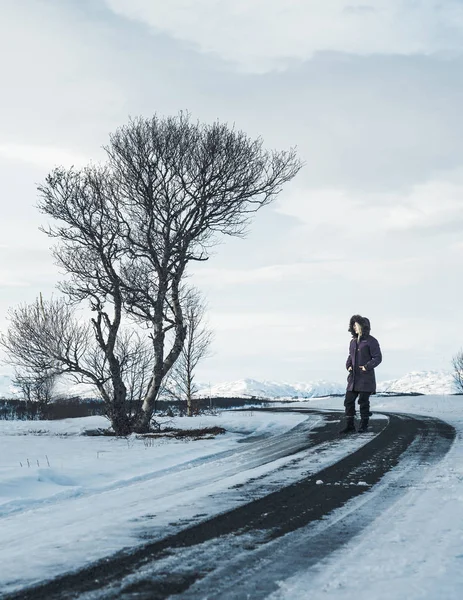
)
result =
(364, 322)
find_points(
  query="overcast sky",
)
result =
(371, 93)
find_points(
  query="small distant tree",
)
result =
(37, 387)
(181, 383)
(457, 363)
(45, 340)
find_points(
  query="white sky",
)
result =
(371, 95)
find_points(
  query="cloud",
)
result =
(6, 282)
(422, 208)
(394, 338)
(431, 207)
(31, 265)
(377, 271)
(373, 246)
(359, 9)
(58, 76)
(320, 331)
(267, 34)
(377, 241)
(41, 156)
(376, 121)
(267, 331)
(271, 274)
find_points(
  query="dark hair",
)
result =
(362, 321)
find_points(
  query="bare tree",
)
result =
(45, 340)
(181, 379)
(127, 231)
(457, 363)
(37, 387)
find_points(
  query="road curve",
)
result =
(245, 552)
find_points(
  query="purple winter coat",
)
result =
(365, 353)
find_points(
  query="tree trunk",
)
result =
(159, 372)
(147, 409)
(120, 420)
(161, 366)
(189, 400)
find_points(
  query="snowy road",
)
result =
(309, 493)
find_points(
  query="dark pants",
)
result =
(364, 401)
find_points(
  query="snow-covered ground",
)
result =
(67, 499)
(414, 550)
(83, 498)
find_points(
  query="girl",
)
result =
(364, 356)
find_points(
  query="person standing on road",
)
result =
(364, 357)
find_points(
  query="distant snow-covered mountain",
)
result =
(422, 382)
(249, 388)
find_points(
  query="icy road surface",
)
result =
(283, 503)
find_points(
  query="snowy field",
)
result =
(82, 498)
(76, 499)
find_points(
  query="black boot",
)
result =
(363, 426)
(349, 426)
